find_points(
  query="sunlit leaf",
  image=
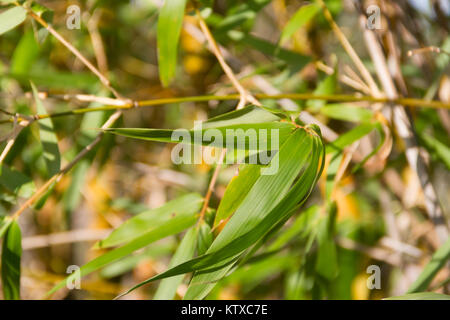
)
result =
(169, 28)
(11, 18)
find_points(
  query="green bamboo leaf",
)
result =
(127, 264)
(351, 136)
(5, 222)
(298, 20)
(236, 192)
(25, 54)
(327, 263)
(299, 229)
(16, 182)
(171, 227)
(11, 18)
(346, 112)
(169, 28)
(204, 238)
(11, 254)
(48, 138)
(293, 59)
(441, 150)
(421, 296)
(185, 206)
(437, 262)
(325, 87)
(253, 219)
(249, 134)
(185, 251)
(243, 126)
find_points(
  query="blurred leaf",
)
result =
(5, 222)
(169, 28)
(293, 59)
(25, 54)
(421, 296)
(300, 228)
(437, 262)
(346, 112)
(43, 199)
(327, 263)
(441, 150)
(349, 137)
(55, 79)
(173, 226)
(11, 254)
(128, 263)
(154, 219)
(325, 87)
(11, 18)
(16, 182)
(185, 251)
(48, 138)
(299, 19)
(72, 194)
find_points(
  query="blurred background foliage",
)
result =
(380, 217)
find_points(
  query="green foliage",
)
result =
(11, 254)
(169, 27)
(11, 18)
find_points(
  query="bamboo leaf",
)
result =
(11, 254)
(185, 251)
(299, 19)
(5, 222)
(421, 296)
(327, 263)
(185, 206)
(11, 18)
(254, 219)
(437, 262)
(170, 227)
(346, 112)
(236, 192)
(16, 182)
(169, 28)
(48, 138)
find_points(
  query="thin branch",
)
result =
(245, 96)
(405, 130)
(350, 51)
(75, 51)
(122, 105)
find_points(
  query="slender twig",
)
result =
(18, 127)
(75, 51)
(211, 185)
(405, 130)
(121, 105)
(350, 51)
(245, 96)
